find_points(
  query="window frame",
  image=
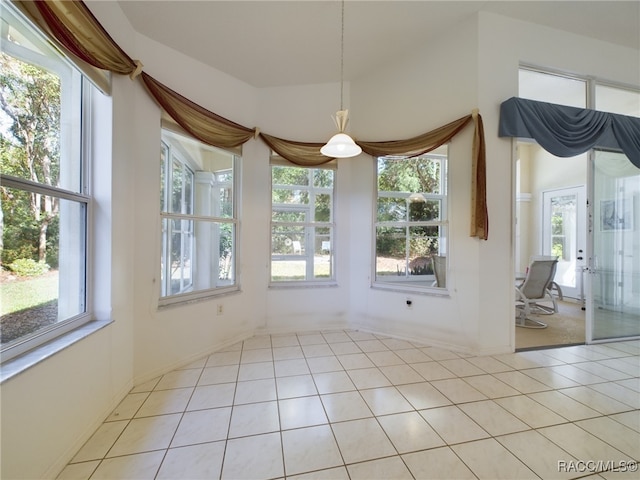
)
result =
(75, 88)
(413, 283)
(218, 286)
(309, 226)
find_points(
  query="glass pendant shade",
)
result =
(341, 145)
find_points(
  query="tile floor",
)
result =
(352, 405)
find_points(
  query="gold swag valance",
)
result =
(72, 25)
(199, 122)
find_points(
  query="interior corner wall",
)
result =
(427, 88)
(169, 337)
(303, 113)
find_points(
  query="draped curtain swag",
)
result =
(204, 125)
(74, 26)
(568, 131)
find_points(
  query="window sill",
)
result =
(23, 362)
(280, 285)
(408, 288)
(196, 297)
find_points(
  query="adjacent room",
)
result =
(192, 288)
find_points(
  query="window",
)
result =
(199, 222)
(411, 220)
(552, 88)
(44, 136)
(614, 99)
(302, 228)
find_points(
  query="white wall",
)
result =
(426, 89)
(51, 409)
(474, 65)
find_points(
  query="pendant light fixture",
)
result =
(341, 145)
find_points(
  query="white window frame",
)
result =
(75, 155)
(404, 281)
(217, 286)
(306, 250)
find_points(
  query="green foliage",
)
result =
(406, 176)
(409, 175)
(29, 149)
(28, 267)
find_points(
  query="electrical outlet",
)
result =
(220, 309)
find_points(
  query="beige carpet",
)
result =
(567, 327)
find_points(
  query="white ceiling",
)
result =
(277, 43)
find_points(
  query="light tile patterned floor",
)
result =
(352, 405)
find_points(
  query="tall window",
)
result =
(45, 188)
(302, 226)
(411, 220)
(199, 222)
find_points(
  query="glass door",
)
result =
(563, 236)
(614, 269)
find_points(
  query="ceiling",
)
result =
(279, 43)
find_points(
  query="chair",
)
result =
(554, 285)
(533, 291)
(439, 264)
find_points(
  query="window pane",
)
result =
(423, 241)
(289, 216)
(287, 240)
(42, 151)
(411, 216)
(617, 100)
(288, 270)
(226, 201)
(323, 178)
(176, 187)
(392, 209)
(226, 273)
(547, 87)
(198, 254)
(188, 192)
(164, 155)
(411, 175)
(45, 284)
(323, 208)
(424, 211)
(293, 196)
(290, 176)
(322, 267)
(301, 230)
(391, 247)
(201, 256)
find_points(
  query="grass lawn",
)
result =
(21, 293)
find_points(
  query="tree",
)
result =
(30, 100)
(404, 176)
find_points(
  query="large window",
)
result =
(411, 221)
(44, 136)
(302, 228)
(199, 222)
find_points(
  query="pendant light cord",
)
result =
(342, 59)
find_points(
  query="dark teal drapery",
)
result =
(569, 131)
